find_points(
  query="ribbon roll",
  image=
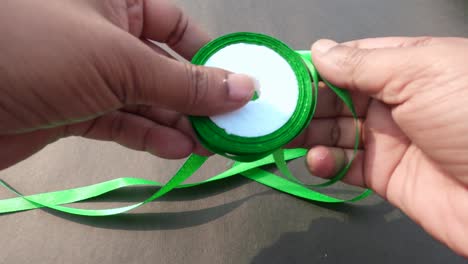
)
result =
(285, 105)
(252, 136)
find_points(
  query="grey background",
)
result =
(236, 221)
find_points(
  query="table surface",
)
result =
(236, 221)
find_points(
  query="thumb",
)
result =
(190, 89)
(381, 72)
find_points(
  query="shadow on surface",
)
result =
(161, 220)
(155, 221)
(138, 194)
(365, 237)
(177, 220)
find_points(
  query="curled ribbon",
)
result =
(250, 154)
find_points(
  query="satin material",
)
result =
(254, 153)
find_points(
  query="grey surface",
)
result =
(235, 221)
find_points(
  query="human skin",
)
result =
(412, 98)
(85, 68)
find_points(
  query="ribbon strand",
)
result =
(248, 160)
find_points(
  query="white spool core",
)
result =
(278, 85)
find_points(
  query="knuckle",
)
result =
(124, 14)
(418, 42)
(335, 133)
(179, 30)
(362, 133)
(198, 85)
(135, 16)
(354, 64)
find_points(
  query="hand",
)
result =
(85, 68)
(412, 98)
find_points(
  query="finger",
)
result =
(387, 42)
(137, 133)
(373, 168)
(170, 119)
(158, 49)
(167, 23)
(326, 162)
(151, 79)
(332, 132)
(383, 73)
(330, 105)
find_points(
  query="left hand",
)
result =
(85, 68)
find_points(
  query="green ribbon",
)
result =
(250, 154)
(239, 148)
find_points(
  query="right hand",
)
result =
(412, 98)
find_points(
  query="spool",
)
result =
(283, 109)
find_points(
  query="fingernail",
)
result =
(320, 162)
(323, 46)
(241, 87)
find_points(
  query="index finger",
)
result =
(165, 22)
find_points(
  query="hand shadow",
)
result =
(365, 237)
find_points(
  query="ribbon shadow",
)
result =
(163, 220)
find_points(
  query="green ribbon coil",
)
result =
(250, 153)
(239, 148)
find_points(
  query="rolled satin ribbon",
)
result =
(285, 105)
(241, 135)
